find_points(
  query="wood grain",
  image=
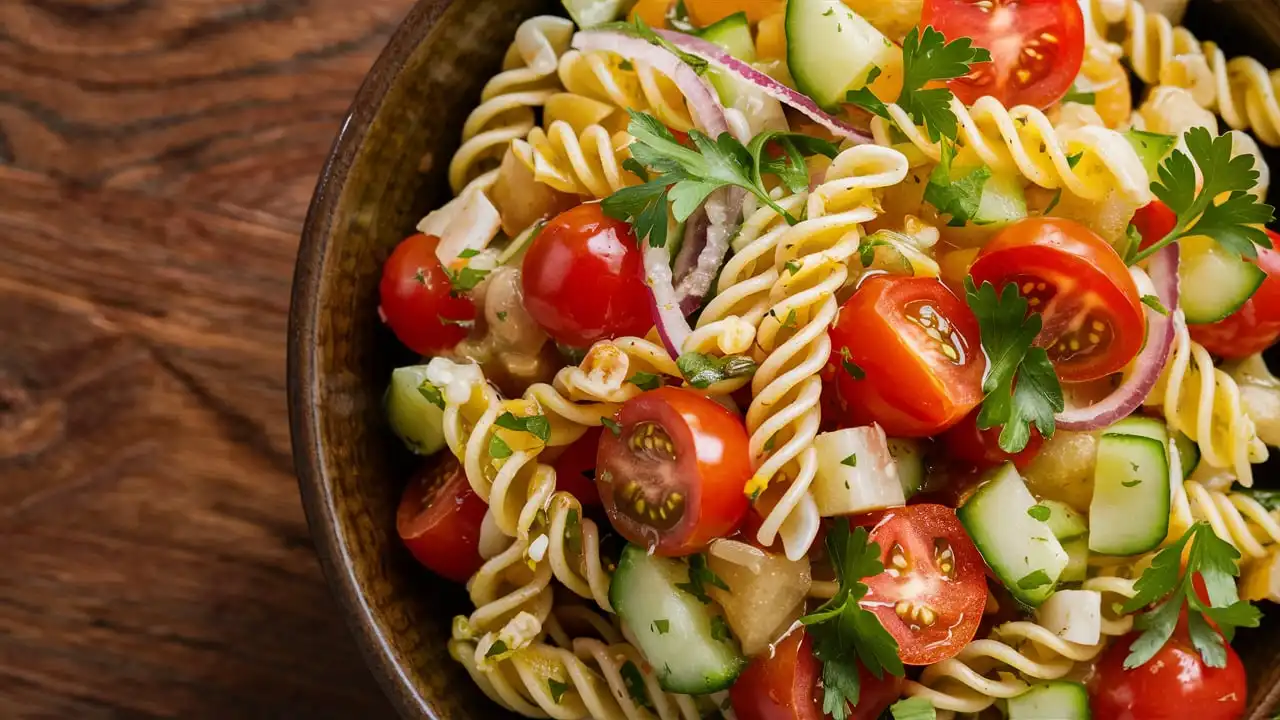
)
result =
(156, 159)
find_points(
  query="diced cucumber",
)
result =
(590, 13)
(732, 33)
(1130, 509)
(1064, 522)
(1020, 549)
(832, 50)
(762, 112)
(1214, 282)
(1053, 700)
(855, 473)
(1073, 615)
(687, 643)
(1077, 559)
(1151, 148)
(908, 454)
(1003, 201)
(418, 422)
(1140, 426)
(1188, 453)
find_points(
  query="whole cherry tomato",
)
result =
(1256, 325)
(981, 448)
(418, 301)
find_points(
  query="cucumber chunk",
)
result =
(1140, 426)
(413, 418)
(1188, 453)
(832, 50)
(1003, 201)
(1077, 559)
(1053, 700)
(1214, 282)
(1151, 147)
(590, 13)
(908, 455)
(1130, 509)
(1019, 549)
(1064, 522)
(732, 33)
(686, 642)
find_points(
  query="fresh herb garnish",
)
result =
(720, 629)
(645, 381)
(536, 425)
(1235, 222)
(846, 361)
(634, 680)
(613, 426)
(958, 197)
(1007, 332)
(1169, 587)
(703, 371)
(1154, 303)
(497, 648)
(498, 448)
(662, 626)
(557, 688)
(1039, 512)
(700, 576)
(851, 461)
(844, 633)
(464, 280)
(432, 394)
(573, 531)
(1078, 96)
(913, 708)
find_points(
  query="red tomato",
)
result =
(784, 686)
(576, 468)
(981, 448)
(439, 520)
(907, 356)
(1256, 325)
(673, 478)
(1173, 685)
(583, 279)
(1153, 221)
(417, 299)
(934, 589)
(1036, 47)
(1093, 315)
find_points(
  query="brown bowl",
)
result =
(386, 171)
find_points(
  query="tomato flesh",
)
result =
(981, 448)
(933, 590)
(583, 279)
(1256, 325)
(1037, 47)
(1173, 685)
(784, 685)
(417, 299)
(576, 468)
(1092, 314)
(439, 520)
(672, 478)
(906, 355)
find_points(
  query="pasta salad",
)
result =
(791, 359)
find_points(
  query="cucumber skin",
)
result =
(729, 33)
(418, 423)
(1157, 507)
(1053, 700)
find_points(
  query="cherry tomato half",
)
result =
(1037, 47)
(583, 279)
(417, 300)
(1173, 685)
(673, 478)
(783, 685)
(934, 588)
(1092, 313)
(981, 448)
(907, 356)
(1153, 221)
(1256, 325)
(576, 468)
(439, 520)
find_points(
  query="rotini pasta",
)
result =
(1235, 517)
(784, 416)
(611, 78)
(587, 163)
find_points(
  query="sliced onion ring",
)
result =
(719, 218)
(668, 318)
(722, 60)
(1150, 362)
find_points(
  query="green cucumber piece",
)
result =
(908, 455)
(1188, 453)
(1053, 700)
(417, 422)
(1018, 548)
(1003, 201)
(1152, 147)
(687, 643)
(832, 50)
(732, 33)
(590, 13)
(1140, 426)
(1064, 522)
(1077, 559)
(1214, 282)
(1130, 509)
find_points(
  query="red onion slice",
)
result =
(722, 60)
(1150, 362)
(668, 318)
(720, 216)
(708, 113)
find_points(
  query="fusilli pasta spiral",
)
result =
(811, 262)
(1203, 402)
(505, 113)
(587, 163)
(1023, 140)
(611, 78)
(1235, 517)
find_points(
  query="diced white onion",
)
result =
(856, 472)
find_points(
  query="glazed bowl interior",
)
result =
(387, 170)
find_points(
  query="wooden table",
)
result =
(156, 159)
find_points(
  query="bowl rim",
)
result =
(302, 362)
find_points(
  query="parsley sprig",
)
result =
(844, 633)
(1170, 587)
(927, 57)
(686, 176)
(1007, 332)
(1231, 221)
(958, 197)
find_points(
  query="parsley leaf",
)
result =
(1039, 512)
(1154, 303)
(720, 629)
(1234, 221)
(844, 633)
(497, 648)
(959, 197)
(645, 381)
(536, 425)
(851, 461)
(700, 576)
(1076, 96)
(846, 361)
(703, 371)
(498, 448)
(464, 280)
(1007, 331)
(557, 688)
(613, 426)
(432, 394)
(662, 627)
(1166, 584)
(634, 680)
(913, 708)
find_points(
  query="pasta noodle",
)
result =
(1203, 402)
(1235, 517)
(587, 163)
(1086, 161)
(607, 77)
(505, 113)
(784, 415)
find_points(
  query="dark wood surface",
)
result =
(156, 159)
